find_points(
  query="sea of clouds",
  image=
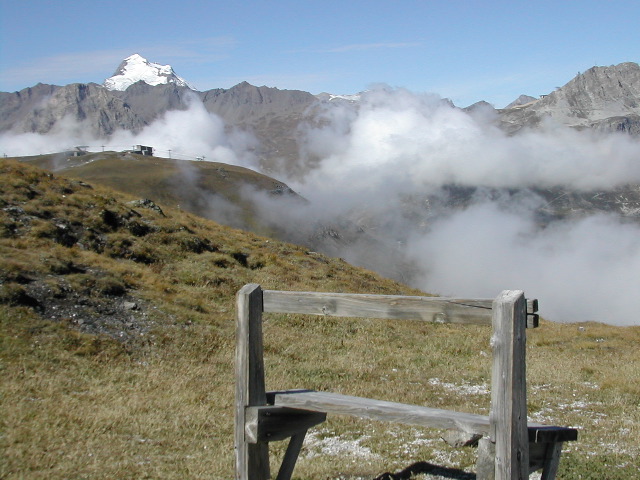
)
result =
(368, 162)
(399, 144)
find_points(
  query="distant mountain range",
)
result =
(139, 92)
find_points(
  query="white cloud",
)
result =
(193, 133)
(379, 162)
(189, 134)
(397, 132)
(584, 270)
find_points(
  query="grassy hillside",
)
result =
(229, 195)
(209, 189)
(117, 339)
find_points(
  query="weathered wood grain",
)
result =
(485, 463)
(551, 461)
(508, 438)
(383, 410)
(252, 459)
(291, 456)
(336, 403)
(395, 307)
(508, 413)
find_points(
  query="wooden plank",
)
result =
(395, 307)
(337, 403)
(551, 434)
(508, 414)
(432, 309)
(383, 411)
(252, 460)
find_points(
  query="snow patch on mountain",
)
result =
(329, 97)
(136, 68)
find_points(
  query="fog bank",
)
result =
(392, 156)
(187, 134)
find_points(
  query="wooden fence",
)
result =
(510, 448)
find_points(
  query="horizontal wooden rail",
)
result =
(381, 410)
(393, 307)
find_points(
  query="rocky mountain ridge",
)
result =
(521, 100)
(604, 98)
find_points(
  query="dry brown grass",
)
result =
(204, 188)
(77, 405)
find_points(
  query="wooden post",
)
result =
(252, 459)
(508, 416)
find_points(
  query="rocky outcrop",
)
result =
(151, 102)
(521, 100)
(245, 103)
(592, 98)
(624, 124)
(272, 115)
(18, 107)
(38, 109)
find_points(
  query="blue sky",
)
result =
(463, 50)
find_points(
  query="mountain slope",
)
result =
(592, 98)
(521, 100)
(208, 189)
(18, 106)
(230, 195)
(117, 334)
(272, 115)
(91, 223)
(40, 109)
(139, 92)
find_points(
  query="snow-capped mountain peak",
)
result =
(136, 68)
